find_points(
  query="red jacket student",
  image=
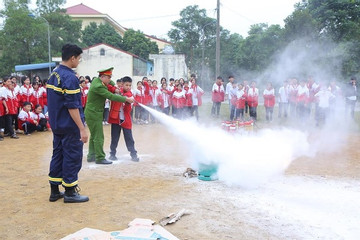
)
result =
(84, 91)
(139, 94)
(146, 88)
(25, 122)
(178, 98)
(253, 97)
(37, 96)
(164, 99)
(120, 119)
(11, 100)
(26, 90)
(302, 94)
(218, 92)
(12, 106)
(2, 102)
(269, 97)
(240, 98)
(121, 111)
(188, 96)
(197, 94)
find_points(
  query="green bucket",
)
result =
(208, 172)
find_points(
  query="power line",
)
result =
(231, 9)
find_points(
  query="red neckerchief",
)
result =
(36, 93)
(27, 89)
(140, 88)
(186, 89)
(38, 116)
(26, 113)
(154, 89)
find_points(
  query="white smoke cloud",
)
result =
(245, 160)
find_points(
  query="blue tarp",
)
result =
(19, 68)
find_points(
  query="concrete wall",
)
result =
(169, 66)
(92, 62)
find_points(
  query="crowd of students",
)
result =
(178, 98)
(295, 98)
(22, 107)
(25, 107)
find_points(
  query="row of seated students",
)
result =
(15, 99)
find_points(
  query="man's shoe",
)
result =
(135, 159)
(113, 158)
(72, 195)
(56, 196)
(91, 159)
(104, 161)
(14, 136)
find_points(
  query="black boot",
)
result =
(55, 193)
(72, 195)
(134, 157)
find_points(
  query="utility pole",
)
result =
(218, 40)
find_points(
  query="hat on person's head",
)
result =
(107, 71)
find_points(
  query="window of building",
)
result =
(139, 67)
(102, 52)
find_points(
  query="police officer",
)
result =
(97, 95)
(67, 122)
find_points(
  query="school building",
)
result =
(87, 15)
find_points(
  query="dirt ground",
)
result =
(151, 188)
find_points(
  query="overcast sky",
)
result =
(155, 17)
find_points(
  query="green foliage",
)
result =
(318, 21)
(300, 24)
(339, 20)
(24, 39)
(136, 43)
(103, 33)
(49, 6)
(261, 44)
(133, 41)
(193, 30)
(63, 30)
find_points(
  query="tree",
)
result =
(21, 38)
(261, 44)
(24, 39)
(49, 6)
(300, 24)
(63, 30)
(136, 43)
(340, 21)
(190, 32)
(103, 33)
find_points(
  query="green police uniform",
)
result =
(97, 95)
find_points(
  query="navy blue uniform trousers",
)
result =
(67, 159)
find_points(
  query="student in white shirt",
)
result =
(323, 96)
(283, 100)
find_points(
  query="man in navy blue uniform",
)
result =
(67, 123)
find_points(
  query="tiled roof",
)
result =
(81, 9)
